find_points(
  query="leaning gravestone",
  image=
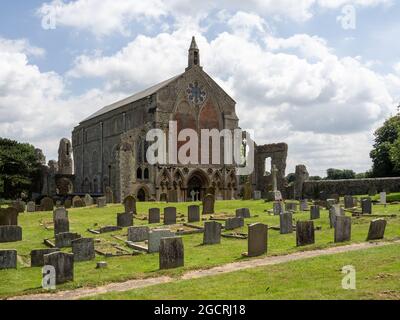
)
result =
(193, 214)
(138, 234)
(124, 220)
(315, 213)
(47, 204)
(234, 223)
(366, 206)
(101, 202)
(10, 234)
(243, 213)
(37, 256)
(88, 200)
(278, 208)
(257, 240)
(154, 215)
(342, 229)
(130, 204)
(286, 223)
(8, 217)
(64, 240)
(31, 206)
(83, 249)
(171, 253)
(348, 202)
(155, 236)
(63, 264)
(208, 204)
(305, 233)
(8, 259)
(212, 233)
(377, 229)
(170, 215)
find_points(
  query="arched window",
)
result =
(146, 174)
(139, 174)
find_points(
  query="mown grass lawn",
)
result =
(28, 280)
(377, 277)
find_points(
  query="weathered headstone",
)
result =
(31, 206)
(83, 249)
(305, 233)
(247, 191)
(10, 234)
(171, 253)
(169, 215)
(257, 195)
(19, 205)
(109, 195)
(234, 223)
(278, 208)
(88, 200)
(348, 202)
(130, 204)
(286, 223)
(257, 239)
(332, 217)
(67, 204)
(63, 264)
(154, 215)
(212, 232)
(8, 217)
(138, 234)
(366, 206)
(290, 206)
(377, 229)
(47, 204)
(37, 256)
(155, 236)
(208, 204)
(304, 205)
(107, 229)
(64, 240)
(77, 202)
(61, 226)
(343, 229)
(163, 197)
(8, 259)
(315, 213)
(60, 213)
(382, 198)
(330, 203)
(193, 214)
(101, 202)
(243, 213)
(125, 220)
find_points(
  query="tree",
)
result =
(19, 167)
(385, 154)
(315, 178)
(338, 174)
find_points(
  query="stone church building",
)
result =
(109, 147)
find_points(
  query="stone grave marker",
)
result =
(332, 217)
(304, 205)
(169, 215)
(88, 200)
(193, 214)
(37, 256)
(154, 215)
(61, 226)
(305, 234)
(63, 264)
(67, 204)
(208, 204)
(109, 195)
(124, 220)
(47, 204)
(348, 202)
(138, 234)
(234, 223)
(330, 203)
(155, 236)
(257, 239)
(171, 253)
(77, 202)
(60, 213)
(342, 229)
(315, 213)
(83, 249)
(212, 233)
(382, 198)
(290, 206)
(10, 234)
(101, 202)
(257, 195)
(243, 213)
(19, 205)
(130, 204)
(286, 223)
(31, 206)
(8, 217)
(8, 259)
(64, 240)
(377, 229)
(366, 206)
(278, 208)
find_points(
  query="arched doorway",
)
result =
(196, 186)
(141, 195)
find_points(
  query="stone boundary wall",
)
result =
(311, 189)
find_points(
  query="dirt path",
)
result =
(231, 267)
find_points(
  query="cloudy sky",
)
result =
(302, 71)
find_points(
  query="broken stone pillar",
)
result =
(63, 264)
(212, 233)
(377, 229)
(305, 234)
(171, 253)
(343, 229)
(301, 175)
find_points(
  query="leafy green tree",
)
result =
(338, 174)
(385, 154)
(315, 178)
(19, 168)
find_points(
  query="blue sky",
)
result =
(306, 80)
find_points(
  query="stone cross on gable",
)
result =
(274, 172)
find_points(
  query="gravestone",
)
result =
(366, 206)
(339, 211)
(257, 240)
(138, 234)
(107, 229)
(61, 226)
(305, 234)
(83, 249)
(163, 197)
(304, 205)
(315, 213)
(343, 229)
(64, 240)
(124, 220)
(60, 213)
(63, 264)
(154, 215)
(257, 195)
(290, 206)
(58, 204)
(109, 195)
(47, 204)
(31, 206)
(382, 198)
(8, 217)
(67, 204)
(101, 202)
(243, 213)
(332, 217)
(130, 204)
(193, 214)
(171, 253)
(330, 203)
(8, 259)
(208, 204)
(348, 202)
(278, 208)
(170, 215)
(19, 205)
(247, 191)
(77, 202)
(88, 200)
(286, 223)
(212, 232)
(10, 234)
(377, 229)
(37, 256)
(234, 223)
(155, 236)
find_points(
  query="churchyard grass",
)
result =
(377, 277)
(28, 280)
